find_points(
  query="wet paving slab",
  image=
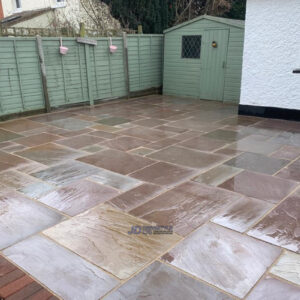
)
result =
(113, 121)
(287, 152)
(185, 207)
(242, 214)
(272, 288)
(163, 282)
(78, 197)
(217, 175)
(288, 267)
(72, 190)
(117, 161)
(188, 157)
(65, 173)
(81, 141)
(291, 172)
(147, 133)
(76, 275)
(203, 143)
(258, 163)
(71, 124)
(164, 174)
(36, 140)
(21, 217)
(49, 154)
(15, 180)
(8, 135)
(260, 186)
(15, 284)
(8, 161)
(20, 125)
(101, 236)
(125, 143)
(244, 260)
(281, 226)
(137, 196)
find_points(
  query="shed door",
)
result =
(213, 64)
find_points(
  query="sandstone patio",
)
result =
(74, 182)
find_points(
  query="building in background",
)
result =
(270, 80)
(57, 13)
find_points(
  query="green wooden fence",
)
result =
(87, 73)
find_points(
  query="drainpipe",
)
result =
(1, 10)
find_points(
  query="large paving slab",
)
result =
(161, 282)
(20, 125)
(125, 143)
(258, 163)
(147, 133)
(242, 214)
(8, 135)
(8, 161)
(62, 271)
(66, 172)
(15, 284)
(137, 196)
(101, 236)
(38, 139)
(117, 161)
(80, 141)
(223, 258)
(281, 226)
(291, 172)
(288, 267)
(185, 207)
(260, 186)
(203, 143)
(21, 217)
(71, 124)
(188, 157)
(49, 154)
(218, 175)
(164, 174)
(115, 180)
(272, 288)
(78, 197)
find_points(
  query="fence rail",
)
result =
(54, 32)
(33, 72)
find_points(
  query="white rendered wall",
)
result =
(271, 52)
(9, 6)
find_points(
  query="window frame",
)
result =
(18, 4)
(182, 46)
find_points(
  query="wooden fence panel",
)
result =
(20, 77)
(86, 73)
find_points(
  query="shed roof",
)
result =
(231, 22)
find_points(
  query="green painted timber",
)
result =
(87, 73)
(217, 74)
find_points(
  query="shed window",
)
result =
(191, 46)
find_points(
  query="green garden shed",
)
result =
(203, 59)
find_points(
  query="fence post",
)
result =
(126, 64)
(140, 29)
(82, 33)
(82, 30)
(43, 72)
(88, 73)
